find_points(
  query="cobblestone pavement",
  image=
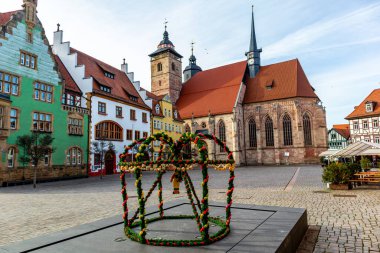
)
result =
(349, 220)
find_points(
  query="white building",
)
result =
(118, 112)
(364, 120)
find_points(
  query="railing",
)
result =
(76, 109)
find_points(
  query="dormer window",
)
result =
(109, 75)
(105, 89)
(369, 107)
(157, 109)
(175, 114)
(133, 98)
(269, 85)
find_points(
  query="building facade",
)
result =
(31, 90)
(265, 114)
(339, 136)
(119, 114)
(364, 120)
(165, 119)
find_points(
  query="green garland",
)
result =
(179, 167)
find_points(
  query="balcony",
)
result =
(76, 109)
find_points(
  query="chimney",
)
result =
(58, 36)
(124, 67)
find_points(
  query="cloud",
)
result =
(351, 23)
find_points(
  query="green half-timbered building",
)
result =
(33, 97)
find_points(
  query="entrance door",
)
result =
(110, 162)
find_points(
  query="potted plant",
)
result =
(338, 175)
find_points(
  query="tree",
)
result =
(35, 147)
(100, 148)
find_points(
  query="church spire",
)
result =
(253, 55)
(192, 68)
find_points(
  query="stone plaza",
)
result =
(347, 221)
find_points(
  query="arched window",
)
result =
(307, 130)
(287, 128)
(269, 137)
(157, 109)
(173, 66)
(74, 156)
(222, 134)
(11, 157)
(108, 130)
(159, 66)
(252, 133)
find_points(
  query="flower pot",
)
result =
(340, 186)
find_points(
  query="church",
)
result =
(265, 114)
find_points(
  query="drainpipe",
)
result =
(89, 121)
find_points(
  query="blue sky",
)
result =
(337, 42)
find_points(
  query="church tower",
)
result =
(30, 8)
(166, 69)
(253, 55)
(192, 68)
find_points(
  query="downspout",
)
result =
(89, 123)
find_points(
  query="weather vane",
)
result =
(166, 23)
(192, 47)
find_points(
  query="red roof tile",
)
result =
(70, 84)
(6, 16)
(121, 86)
(360, 111)
(343, 129)
(214, 90)
(279, 81)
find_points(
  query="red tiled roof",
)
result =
(155, 101)
(279, 81)
(6, 16)
(214, 90)
(360, 111)
(70, 84)
(343, 129)
(121, 86)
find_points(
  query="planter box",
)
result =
(340, 186)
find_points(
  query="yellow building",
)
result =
(166, 119)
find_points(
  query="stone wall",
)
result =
(44, 173)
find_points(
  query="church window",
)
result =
(159, 66)
(269, 136)
(287, 129)
(307, 130)
(222, 134)
(252, 133)
(108, 130)
(173, 66)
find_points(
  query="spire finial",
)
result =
(124, 61)
(192, 47)
(58, 26)
(166, 24)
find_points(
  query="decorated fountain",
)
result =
(136, 226)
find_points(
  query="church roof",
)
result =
(360, 111)
(121, 87)
(70, 84)
(214, 90)
(6, 17)
(279, 81)
(343, 130)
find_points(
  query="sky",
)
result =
(337, 42)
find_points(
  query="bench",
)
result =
(366, 177)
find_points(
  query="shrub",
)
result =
(365, 162)
(336, 173)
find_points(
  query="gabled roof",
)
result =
(278, 81)
(6, 17)
(211, 91)
(70, 84)
(343, 130)
(121, 86)
(156, 101)
(360, 111)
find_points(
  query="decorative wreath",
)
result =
(180, 168)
